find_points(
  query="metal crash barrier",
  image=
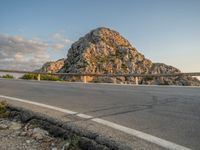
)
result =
(86, 75)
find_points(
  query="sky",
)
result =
(35, 31)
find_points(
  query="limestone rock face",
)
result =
(160, 68)
(52, 67)
(105, 51)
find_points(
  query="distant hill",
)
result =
(105, 51)
(52, 66)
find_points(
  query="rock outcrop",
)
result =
(160, 68)
(105, 51)
(52, 66)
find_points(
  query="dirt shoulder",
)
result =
(15, 135)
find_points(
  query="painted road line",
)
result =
(40, 104)
(142, 135)
(147, 137)
(84, 116)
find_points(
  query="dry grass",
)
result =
(3, 109)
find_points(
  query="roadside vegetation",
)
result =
(7, 76)
(29, 76)
(3, 109)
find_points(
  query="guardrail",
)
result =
(84, 75)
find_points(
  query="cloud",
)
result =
(58, 47)
(17, 52)
(19, 56)
(59, 42)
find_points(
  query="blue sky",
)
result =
(165, 31)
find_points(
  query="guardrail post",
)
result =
(38, 77)
(85, 79)
(115, 80)
(136, 80)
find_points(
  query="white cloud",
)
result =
(59, 42)
(58, 47)
(17, 52)
(18, 56)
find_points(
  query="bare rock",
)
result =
(15, 126)
(3, 126)
(39, 134)
(105, 51)
(52, 66)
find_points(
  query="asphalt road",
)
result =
(170, 113)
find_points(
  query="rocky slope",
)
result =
(105, 51)
(52, 66)
(160, 68)
(18, 136)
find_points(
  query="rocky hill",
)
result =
(52, 66)
(105, 51)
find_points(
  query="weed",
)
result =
(7, 76)
(3, 109)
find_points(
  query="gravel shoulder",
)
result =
(15, 135)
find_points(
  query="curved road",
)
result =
(170, 113)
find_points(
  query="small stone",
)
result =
(23, 133)
(15, 120)
(52, 144)
(3, 126)
(15, 126)
(49, 139)
(54, 148)
(65, 146)
(28, 141)
(26, 127)
(17, 133)
(29, 132)
(39, 134)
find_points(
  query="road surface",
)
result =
(170, 113)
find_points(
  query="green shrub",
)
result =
(30, 76)
(50, 78)
(7, 76)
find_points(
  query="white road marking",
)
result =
(142, 135)
(39, 104)
(147, 137)
(84, 116)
